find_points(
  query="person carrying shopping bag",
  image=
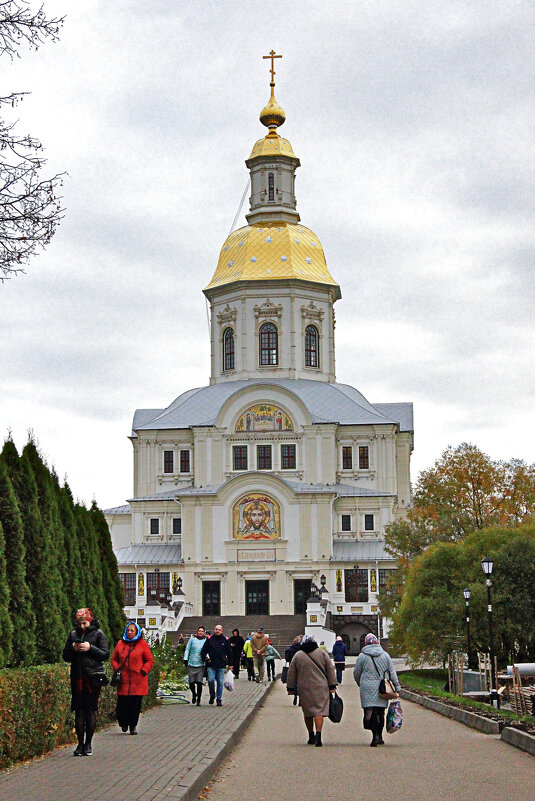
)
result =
(371, 665)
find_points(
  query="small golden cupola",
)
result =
(274, 245)
(272, 165)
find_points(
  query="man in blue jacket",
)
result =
(217, 654)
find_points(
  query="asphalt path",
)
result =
(431, 758)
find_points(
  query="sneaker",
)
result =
(133, 730)
(219, 702)
(88, 751)
(78, 751)
(212, 699)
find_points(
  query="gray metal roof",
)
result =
(298, 487)
(168, 495)
(326, 403)
(338, 489)
(402, 412)
(360, 551)
(118, 510)
(149, 554)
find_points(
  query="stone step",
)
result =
(281, 628)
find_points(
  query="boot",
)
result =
(311, 739)
(375, 739)
(193, 694)
(318, 740)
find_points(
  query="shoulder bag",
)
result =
(336, 705)
(386, 685)
(116, 675)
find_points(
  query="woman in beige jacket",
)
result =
(311, 674)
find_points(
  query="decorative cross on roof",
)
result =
(272, 56)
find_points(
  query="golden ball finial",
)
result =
(272, 115)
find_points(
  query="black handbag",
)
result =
(336, 708)
(386, 685)
(116, 675)
(97, 676)
(116, 678)
(284, 674)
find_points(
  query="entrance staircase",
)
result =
(281, 629)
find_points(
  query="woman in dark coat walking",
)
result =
(86, 649)
(339, 657)
(133, 657)
(311, 674)
(236, 643)
(370, 667)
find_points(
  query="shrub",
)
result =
(35, 710)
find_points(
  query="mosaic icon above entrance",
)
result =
(256, 516)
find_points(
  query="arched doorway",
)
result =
(353, 635)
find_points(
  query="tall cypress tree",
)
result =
(20, 602)
(73, 563)
(6, 626)
(56, 614)
(113, 588)
(91, 567)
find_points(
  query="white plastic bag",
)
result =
(228, 681)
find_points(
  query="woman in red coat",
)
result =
(133, 657)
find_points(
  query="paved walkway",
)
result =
(178, 746)
(171, 759)
(430, 759)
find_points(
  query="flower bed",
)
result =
(429, 683)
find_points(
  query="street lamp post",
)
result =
(487, 564)
(467, 594)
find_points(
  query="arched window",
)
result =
(269, 345)
(271, 186)
(311, 346)
(228, 349)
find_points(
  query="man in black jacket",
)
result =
(217, 654)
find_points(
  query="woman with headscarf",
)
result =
(86, 649)
(371, 665)
(339, 656)
(311, 675)
(133, 657)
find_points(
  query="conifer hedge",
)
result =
(55, 557)
(35, 704)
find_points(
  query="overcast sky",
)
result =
(413, 122)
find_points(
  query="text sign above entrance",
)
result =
(265, 555)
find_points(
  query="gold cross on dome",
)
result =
(272, 56)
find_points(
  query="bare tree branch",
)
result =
(30, 206)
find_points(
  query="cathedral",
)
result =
(274, 479)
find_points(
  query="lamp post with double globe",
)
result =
(487, 564)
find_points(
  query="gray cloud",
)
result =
(413, 125)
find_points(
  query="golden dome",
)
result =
(269, 252)
(272, 145)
